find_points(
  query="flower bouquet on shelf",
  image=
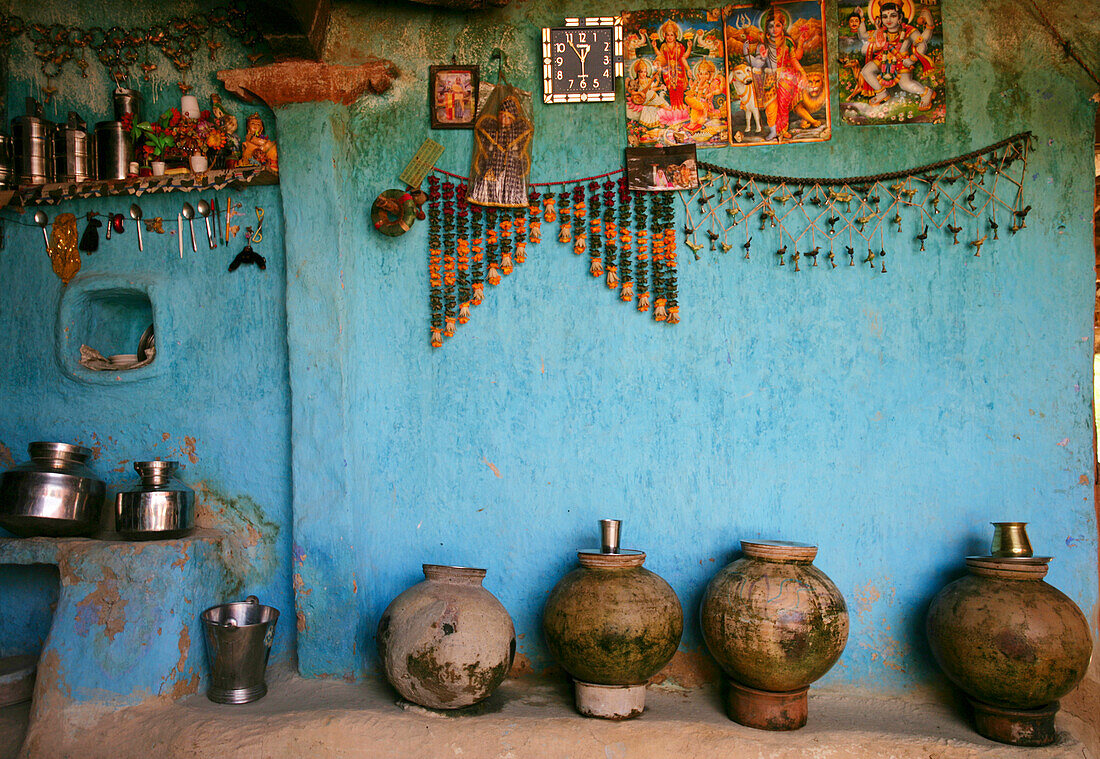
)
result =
(152, 142)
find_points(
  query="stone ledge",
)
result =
(529, 717)
(309, 81)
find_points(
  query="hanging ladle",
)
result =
(204, 211)
(41, 220)
(189, 214)
(135, 214)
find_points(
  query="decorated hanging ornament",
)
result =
(393, 212)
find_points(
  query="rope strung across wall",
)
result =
(630, 236)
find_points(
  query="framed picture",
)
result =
(452, 96)
(662, 169)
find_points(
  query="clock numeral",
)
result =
(584, 84)
(557, 61)
(596, 84)
(583, 36)
(607, 47)
(607, 73)
(571, 85)
(559, 47)
(559, 75)
(606, 60)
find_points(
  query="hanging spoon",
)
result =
(189, 214)
(41, 220)
(204, 211)
(135, 214)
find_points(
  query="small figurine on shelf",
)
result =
(257, 147)
(224, 142)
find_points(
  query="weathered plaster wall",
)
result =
(887, 418)
(217, 396)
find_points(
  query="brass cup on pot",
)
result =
(1010, 539)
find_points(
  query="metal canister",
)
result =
(114, 150)
(128, 101)
(160, 506)
(33, 147)
(70, 151)
(6, 177)
(55, 494)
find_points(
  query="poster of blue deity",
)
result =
(778, 73)
(891, 62)
(674, 72)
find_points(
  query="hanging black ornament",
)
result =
(89, 241)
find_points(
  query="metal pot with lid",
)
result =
(72, 151)
(55, 494)
(32, 151)
(160, 506)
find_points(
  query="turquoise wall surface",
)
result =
(216, 398)
(887, 418)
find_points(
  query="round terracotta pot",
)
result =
(1007, 638)
(614, 624)
(775, 623)
(446, 643)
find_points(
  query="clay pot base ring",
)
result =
(766, 710)
(616, 702)
(1017, 727)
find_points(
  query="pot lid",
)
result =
(779, 550)
(1009, 567)
(609, 554)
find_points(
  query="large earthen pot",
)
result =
(447, 642)
(1012, 643)
(775, 623)
(612, 624)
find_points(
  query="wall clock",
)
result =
(581, 60)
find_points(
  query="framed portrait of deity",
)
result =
(674, 76)
(452, 96)
(777, 72)
(891, 62)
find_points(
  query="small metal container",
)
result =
(55, 494)
(6, 175)
(113, 150)
(238, 643)
(71, 151)
(1010, 540)
(160, 506)
(128, 101)
(32, 152)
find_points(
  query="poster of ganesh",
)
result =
(674, 73)
(891, 62)
(778, 74)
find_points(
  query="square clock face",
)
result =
(578, 64)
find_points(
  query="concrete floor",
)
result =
(525, 718)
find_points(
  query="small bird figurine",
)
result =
(977, 245)
(897, 220)
(733, 211)
(934, 199)
(1022, 215)
(862, 221)
(704, 199)
(873, 200)
(851, 254)
(954, 231)
(812, 254)
(695, 247)
(713, 238)
(831, 221)
(923, 236)
(768, 192)
(688, 231)
(782, 253)
(994, 226)
(725, 247)
(832, 256)
(798, 193)
(970, 201)
(897, 187)
(870, 257)
(746, 246)
(795, 258)
(783, 198)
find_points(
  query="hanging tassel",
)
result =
(673, 314)
(521, 252)
(505, 263)
(565, 234)
(659, 312)
(613, 277)
(494, 275)
(449, 326)
(595, 266)
(580, 245)
(627, 293)
(551, 215)
(437, 338)
(643, 302)
(464, 312)
(479, 294)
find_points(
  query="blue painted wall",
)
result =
(217, 396)
(887, 418)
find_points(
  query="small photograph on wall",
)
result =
(778, 72)
(891, 62)
(674, 72)
(453, 96)
(662, 169)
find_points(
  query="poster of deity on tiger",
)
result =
(674, 73)
(778, 73)
(891, 62)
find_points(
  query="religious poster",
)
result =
(452, 92)
(778, 74)
(891, 62)
(674, 69)
(659, 169)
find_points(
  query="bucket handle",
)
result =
(251, 601)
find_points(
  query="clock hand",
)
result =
(587, 49)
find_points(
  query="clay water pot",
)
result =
(775, 623)
(1012, 643)
(447, 642)
(612, 625)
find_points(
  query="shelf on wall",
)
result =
(57, 192)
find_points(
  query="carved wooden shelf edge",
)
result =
(58, 192)
(310, 81)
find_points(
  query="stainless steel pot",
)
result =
(113, 150)
(160, 506)
(54, 494)
(128, 101)
(6, 177)
(71, 151)
(33, 146)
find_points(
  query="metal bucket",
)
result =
(238, 642)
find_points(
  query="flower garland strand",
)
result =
(435, 254)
